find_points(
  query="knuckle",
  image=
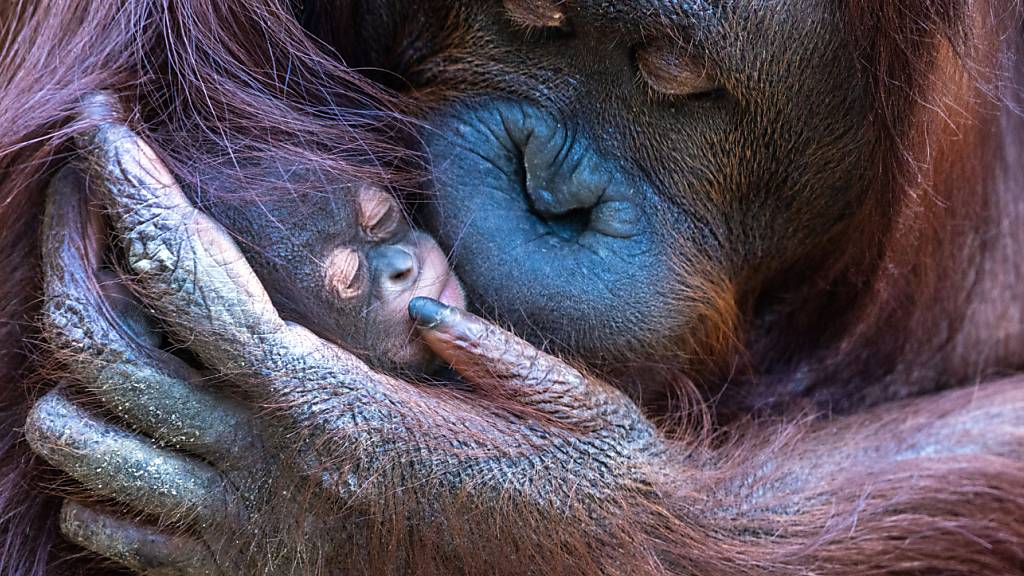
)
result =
(64, 323)
(195, 266)
(85, 344)
(155, 246)
(295, 345)
(47, 427)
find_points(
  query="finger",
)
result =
(193, 273)
(500, 363)
(141, 548)
(123, 466)
(197, 279)
(96, 325)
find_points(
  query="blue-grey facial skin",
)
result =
(697, 199)
(551, 233)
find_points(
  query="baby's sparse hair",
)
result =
(337, 256)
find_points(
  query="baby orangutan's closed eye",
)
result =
(345, 263)
(379, 213)
(344, 273)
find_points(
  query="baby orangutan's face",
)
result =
(384, 266)
(345, 263)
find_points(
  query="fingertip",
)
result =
(428, 312)
(100, 107)
(75, 517)
(98, 110)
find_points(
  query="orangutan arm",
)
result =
(338, 446)
(538, 467)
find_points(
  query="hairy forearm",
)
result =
(884, 487)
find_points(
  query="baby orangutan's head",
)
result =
(344, 262)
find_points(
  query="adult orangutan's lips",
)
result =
(549, 253)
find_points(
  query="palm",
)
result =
(405, 464)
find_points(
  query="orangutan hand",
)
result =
(297, 457)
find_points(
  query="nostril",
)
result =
(400, 275)
(396, 265)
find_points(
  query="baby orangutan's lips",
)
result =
(436, 278)
(452, 293)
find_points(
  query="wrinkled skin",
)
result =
(341, 259)
(635, 164)
(337, 435)
(598, 194)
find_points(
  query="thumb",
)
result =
(500, 363)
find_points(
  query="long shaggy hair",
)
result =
(927, 487)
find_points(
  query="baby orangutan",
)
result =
(283, 441)
(335, 256)
(342, 261)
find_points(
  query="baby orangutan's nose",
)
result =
(396, 267)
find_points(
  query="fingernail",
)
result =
(100, 106)
(427, 312)
(99, 109)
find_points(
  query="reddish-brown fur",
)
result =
(935, 486)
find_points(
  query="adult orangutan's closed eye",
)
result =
(835, 228)
(671, 70)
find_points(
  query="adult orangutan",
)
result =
(800, 219)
